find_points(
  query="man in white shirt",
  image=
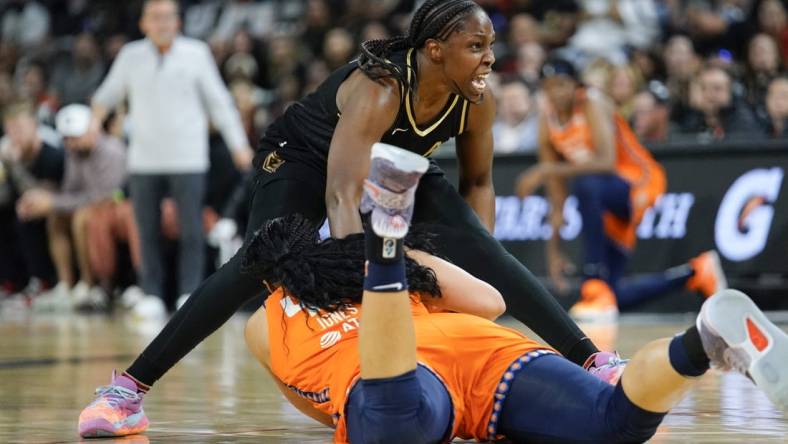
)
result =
(173, 88)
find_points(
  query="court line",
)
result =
(7, 364)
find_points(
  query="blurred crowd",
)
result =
(678, 70)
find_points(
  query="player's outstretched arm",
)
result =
(460, 291)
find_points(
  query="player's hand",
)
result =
(558, 267)
(90, 138)
(34, 204)
(529, 181)
(243, 158)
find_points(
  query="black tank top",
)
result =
(303, 133)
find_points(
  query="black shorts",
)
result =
(283, 187)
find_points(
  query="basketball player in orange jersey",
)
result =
(415, 91)
(380, 368)
(615, 180)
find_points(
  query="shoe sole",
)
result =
(719, 273)
(753, 342)
(404, 160)
(101, 428)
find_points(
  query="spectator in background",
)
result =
(24, 23)
(338, 48)
(716, 24)
(317, 22)
(763, 64)
(522, 30)
(256, 17)
(612, 26)
(623, 82)
(34, 84)
(174, 87)
(75, 80)
(374, 31)
(775, 121)
(284, 60)
(93, 172)
(773, 20)
(681, 64)
(715, 113)
(516, 126)
(30, 160)
(530, 58)
(650, 113)
(316, 73)
(112, 46)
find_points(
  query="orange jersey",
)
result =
(316, 356)
(574, 142)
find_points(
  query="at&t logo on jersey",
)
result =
(746, 213)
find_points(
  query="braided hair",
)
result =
(435, 19)
(322, 275)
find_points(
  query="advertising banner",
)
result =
(735, 201)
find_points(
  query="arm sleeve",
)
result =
(114, 87)
(219, 103)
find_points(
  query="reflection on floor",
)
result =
(50, 365)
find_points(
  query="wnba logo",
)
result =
(746, 212)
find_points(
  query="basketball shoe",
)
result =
(709, 278)
(607, 366)
(116, 411)
(737, 336)
(390, 189)
(597, 303)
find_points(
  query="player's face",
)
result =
(468, 57)
(560, 90)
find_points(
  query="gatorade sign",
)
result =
(746, 212)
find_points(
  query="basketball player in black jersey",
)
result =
(414, 92)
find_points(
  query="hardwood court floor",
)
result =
(50, 365)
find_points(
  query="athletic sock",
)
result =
(686, 353)
(385, 263)
(141, 388)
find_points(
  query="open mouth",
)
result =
(479, 83)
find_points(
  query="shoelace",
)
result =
(613, 362)
(115, 394)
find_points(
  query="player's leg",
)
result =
(394, 401)
(210, 306)
(468, 244)
(59, 243)
(598, 195)
(634, 290)
(58, 229)
(147, 191)
(188, 191)
(551, 400)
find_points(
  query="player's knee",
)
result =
(627, 422)
(588, 186)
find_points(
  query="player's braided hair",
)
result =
(327, 275)
(435, 19)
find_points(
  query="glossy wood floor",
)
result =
(50, 365)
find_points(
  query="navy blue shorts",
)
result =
(412, 408)
(548, 399)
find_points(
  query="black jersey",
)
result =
(304, 132)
